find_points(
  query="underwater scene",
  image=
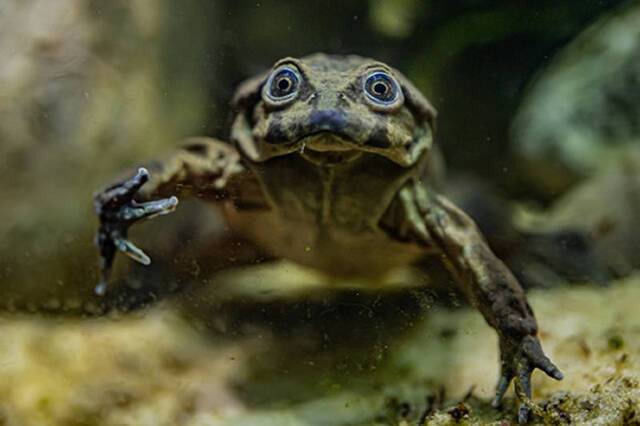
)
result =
(301, 213)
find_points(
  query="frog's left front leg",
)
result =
(432, 220)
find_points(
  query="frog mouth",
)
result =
(327, 148)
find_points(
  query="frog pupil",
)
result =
(284, 84)
(380, 88)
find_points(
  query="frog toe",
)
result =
(132, 251)
(523, 389)
(121, 193)
(536, 356)
(501, 388)
(148, 210)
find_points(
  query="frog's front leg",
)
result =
(432, 220)
(201, 167)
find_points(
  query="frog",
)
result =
(330, 164)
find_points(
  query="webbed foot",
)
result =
(518, 360)
(117, 211)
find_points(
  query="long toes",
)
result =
(149, 209)
(538, 359)
(121, 193)
(524, 383)
(128, 248)
(523, 390)
(133, 184)
(501, 389)
(524, 413)
(550, 369)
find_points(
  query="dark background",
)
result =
(474, 59)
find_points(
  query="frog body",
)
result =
(330, 165)
(321, 217)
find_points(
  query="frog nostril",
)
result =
(330, 119)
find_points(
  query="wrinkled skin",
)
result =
(332, 170)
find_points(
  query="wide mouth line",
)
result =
(344, 143)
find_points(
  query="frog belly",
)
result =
(338, 251)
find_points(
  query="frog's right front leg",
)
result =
(202, 167)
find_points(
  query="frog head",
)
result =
(332, 109)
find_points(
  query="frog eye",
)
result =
(382, 89)
(282, 85)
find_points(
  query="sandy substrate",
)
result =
(159, 368)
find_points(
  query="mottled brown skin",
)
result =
(330, 176)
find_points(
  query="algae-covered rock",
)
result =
(584, 109)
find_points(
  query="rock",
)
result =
(584, 109)
(607, 207)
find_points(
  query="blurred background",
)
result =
(539, 108)
(529, 100)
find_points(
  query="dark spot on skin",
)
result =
(276, 132)
(379, 138)
(197, 148)
(298, 130)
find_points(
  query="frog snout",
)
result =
(330, 120)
